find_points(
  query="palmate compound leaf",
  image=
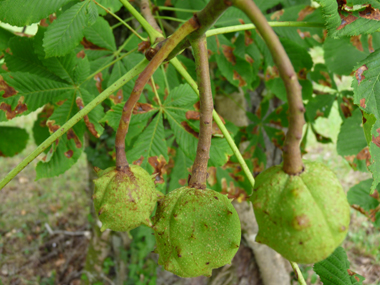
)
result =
(181, 100)
(344, 18)
(23, 13)
(334, 270)
(67, 30)
(13, 142)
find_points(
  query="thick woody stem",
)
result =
(199, 173)
(170, 44)
(147, 13)
(206, 18)
(291, 150)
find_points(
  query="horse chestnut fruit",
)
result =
(196, 231)
(124, 200)
(303, 217)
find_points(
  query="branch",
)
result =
(206, 18)
(292, 154)
(169, 45)
(182, 71)
(199, 172)
(70, 123)
(147, 13)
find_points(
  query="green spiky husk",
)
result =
(124, 201)
(196, 231)
(303, 217)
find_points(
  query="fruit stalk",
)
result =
(199, 172)
(292, 164)
(170, 44)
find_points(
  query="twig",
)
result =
(170, 44)
(199, 171)
(147, 13)
(87, 234)
(291, 151)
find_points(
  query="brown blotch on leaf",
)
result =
(277, 15)
(247, 35)
(364, 154)
(359, 73)
(90, 126)
(69, 153)
(356, 42)
(303, 34)
(52, 128)
(99, 79)
(139, 161)
(141, 108)
(9, 113)
(8, 90)
(370, 13)
(370, 44)
(89, 45)
(362, 103)
(346, 20)
(193, 115)
(72, 135)
(182, 182)
(118, 98)
(376, 140)
(302, 74)
(238, 77)
(327, 82)
(304, 12)
(271, 73)
(188, 129)
(159, 165)
(229, 54)
(81, 54)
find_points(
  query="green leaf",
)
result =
(180, 173)
(112, 5)
(23, 13)
(5, 36)
(94, 116)
(64, 153)
(374, 149)
(66, 31)
(351, 138)
(151, 142)
(24, 59)
(13, 140)
(341, 55)
(322, 76)
(366, 84)
(334, 270)
(359, 195)
(319, 106)
(40, 129)
(101, 34)
(35, 90)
